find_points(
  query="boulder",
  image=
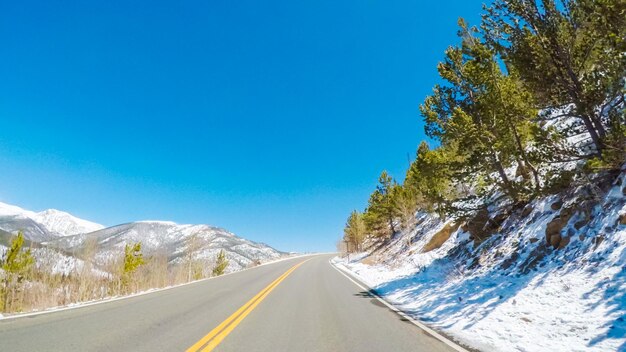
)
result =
(597, 241)
(440, 237)
(556, 205)
(554, 227)
(564, 242)
(526, 211)
(581, 223)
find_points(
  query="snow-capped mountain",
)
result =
(63, 232)
(65, 224)
(173, 240)
(43, 226)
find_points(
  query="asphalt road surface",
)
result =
(300, 304)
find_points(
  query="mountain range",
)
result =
(61, 232)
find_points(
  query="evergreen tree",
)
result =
(571, 55)
(133, 259)
(355, 232)
(16, 264)
(483, 115)
(221, 264)
(380, 213)
(430, 177)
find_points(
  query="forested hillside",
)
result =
(531, 103)
(508, 231)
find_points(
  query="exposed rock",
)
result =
(499, 219)
(533, 240)
(581, 223)
(564, 242)
(597, 241)
(555, 240)
(622, 219)
(510, 261)
(556, 205)
(527, 210)
(581, 237)
(481, 226)
(475, 226)
(440, 237)
(533, 259)
(554, 227)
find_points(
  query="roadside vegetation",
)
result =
(531, 103)
(27, 284)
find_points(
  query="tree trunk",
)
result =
(508, 186)
(522, 151)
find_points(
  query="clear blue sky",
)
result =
(272, 119)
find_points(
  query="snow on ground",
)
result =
(64, 224)
(512, 292)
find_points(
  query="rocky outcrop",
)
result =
(440, 237)
(482, 226)
(554, 237)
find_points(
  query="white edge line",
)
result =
(415, 322)
(146, 292)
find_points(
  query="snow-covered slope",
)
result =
(172, 240)
(68, 234)
(45, 225)
(550, 276)
(64, 224)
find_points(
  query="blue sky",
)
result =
(272, 119)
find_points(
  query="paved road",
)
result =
(313, 308)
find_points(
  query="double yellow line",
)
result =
(213, 338)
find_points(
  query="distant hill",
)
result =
(67, 235)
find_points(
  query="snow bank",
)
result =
(513, 292)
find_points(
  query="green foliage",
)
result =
(482, 114)
(430, 177)
(380, 213)
(614, 153)
(531, 62)
(569, 53)
(354, 232)
(221, 263)
(16, 264)
(133, 259)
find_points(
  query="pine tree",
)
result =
(430, 177)
(380, 214)
(571, 55)
(355, 232)
(406, 201)
(15, 264)
(482, 114)
(133, 259)
(221, 263)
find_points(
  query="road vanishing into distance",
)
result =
(299, 304)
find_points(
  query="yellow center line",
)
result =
(218, 334)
